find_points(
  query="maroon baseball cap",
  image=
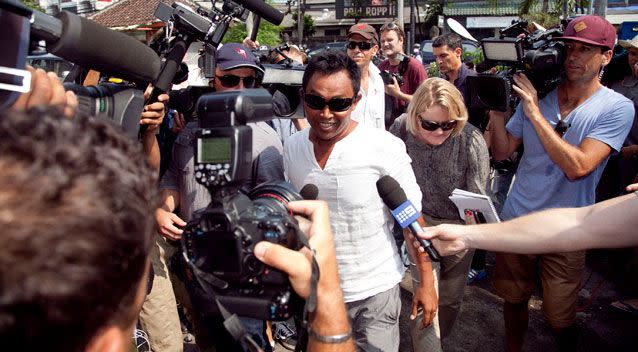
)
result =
(591, 29)
(363, 29)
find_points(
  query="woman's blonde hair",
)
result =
(436, 91)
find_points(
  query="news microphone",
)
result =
(309, 192)
(403, 211)
(91, 45)
(263, 10)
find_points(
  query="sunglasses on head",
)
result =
(562, 127)
(316, 102)
(433, 126)
(229, 81)
(362, 45)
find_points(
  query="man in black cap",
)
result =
(237, 68)
(363, 44)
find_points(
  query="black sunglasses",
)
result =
(433, 126)
(316, 102)
(230, 81)
(362, 45)
(562, 127)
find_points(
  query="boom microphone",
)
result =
(263, 10)
(403, 211)
(309, 192)
(91, 45)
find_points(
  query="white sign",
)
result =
(490, 22)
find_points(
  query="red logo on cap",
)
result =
(241, 52)
(361, 26)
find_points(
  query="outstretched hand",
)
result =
(297, 264)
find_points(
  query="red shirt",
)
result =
(412, 78)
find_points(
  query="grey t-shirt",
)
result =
(462, 161)
(267, 165)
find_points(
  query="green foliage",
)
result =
(32, 4)
(268, 34)
(475, 56)
(308, 24)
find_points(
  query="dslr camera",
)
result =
(218, 242)
(538, 55)
(387, 77)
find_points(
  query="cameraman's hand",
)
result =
(393, 89)
(297, 263)
(179, 122)
(250, 44)
(46, 90)
(166, 222)
(153, 113)
(529, 97)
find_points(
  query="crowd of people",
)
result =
(94, 221)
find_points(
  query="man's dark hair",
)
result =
(330, 62)
(452, 41)
(76, 205)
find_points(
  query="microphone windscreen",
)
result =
(309, 192)
(93, 46)
(391, 192)
(263, 10)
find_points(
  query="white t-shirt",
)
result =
(367, 256)
(371, 108)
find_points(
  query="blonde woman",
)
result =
(447, 153)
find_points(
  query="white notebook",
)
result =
(469, 200)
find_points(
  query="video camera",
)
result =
(218, 242)
(538, 55)
(93, 46)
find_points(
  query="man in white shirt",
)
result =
(363, 45)
(344, 159)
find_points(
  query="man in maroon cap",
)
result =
(363, 45)
(568, 137)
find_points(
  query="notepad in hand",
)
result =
(469, 200)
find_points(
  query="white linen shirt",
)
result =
(367, 256)
(371, 108)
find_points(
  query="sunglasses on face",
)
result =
(433, 126)
(229, 81)
(316, 102)
(562, 127)
(362, 45)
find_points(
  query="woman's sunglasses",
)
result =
(230, 81)
(362, 45)
(316, 102)
(433, 126)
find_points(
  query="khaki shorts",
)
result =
(515, 280)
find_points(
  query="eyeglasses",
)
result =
(389, 25)
(230, 81)
(433, 126)
(362, 45)
(316, 102)
(562, 127)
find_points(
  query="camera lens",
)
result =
(253, 266)
(274, 196)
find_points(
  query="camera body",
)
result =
(218, 242)
(538, 55)
(386, 76)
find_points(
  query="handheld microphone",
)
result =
(403, 211)
(309, 192)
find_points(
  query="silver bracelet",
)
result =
(331, 338)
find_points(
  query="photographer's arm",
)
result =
(330, 319)
(502, 143)
(395, 90)
(152, 117)
(46, 90)
(575, 161)
(166, 219)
